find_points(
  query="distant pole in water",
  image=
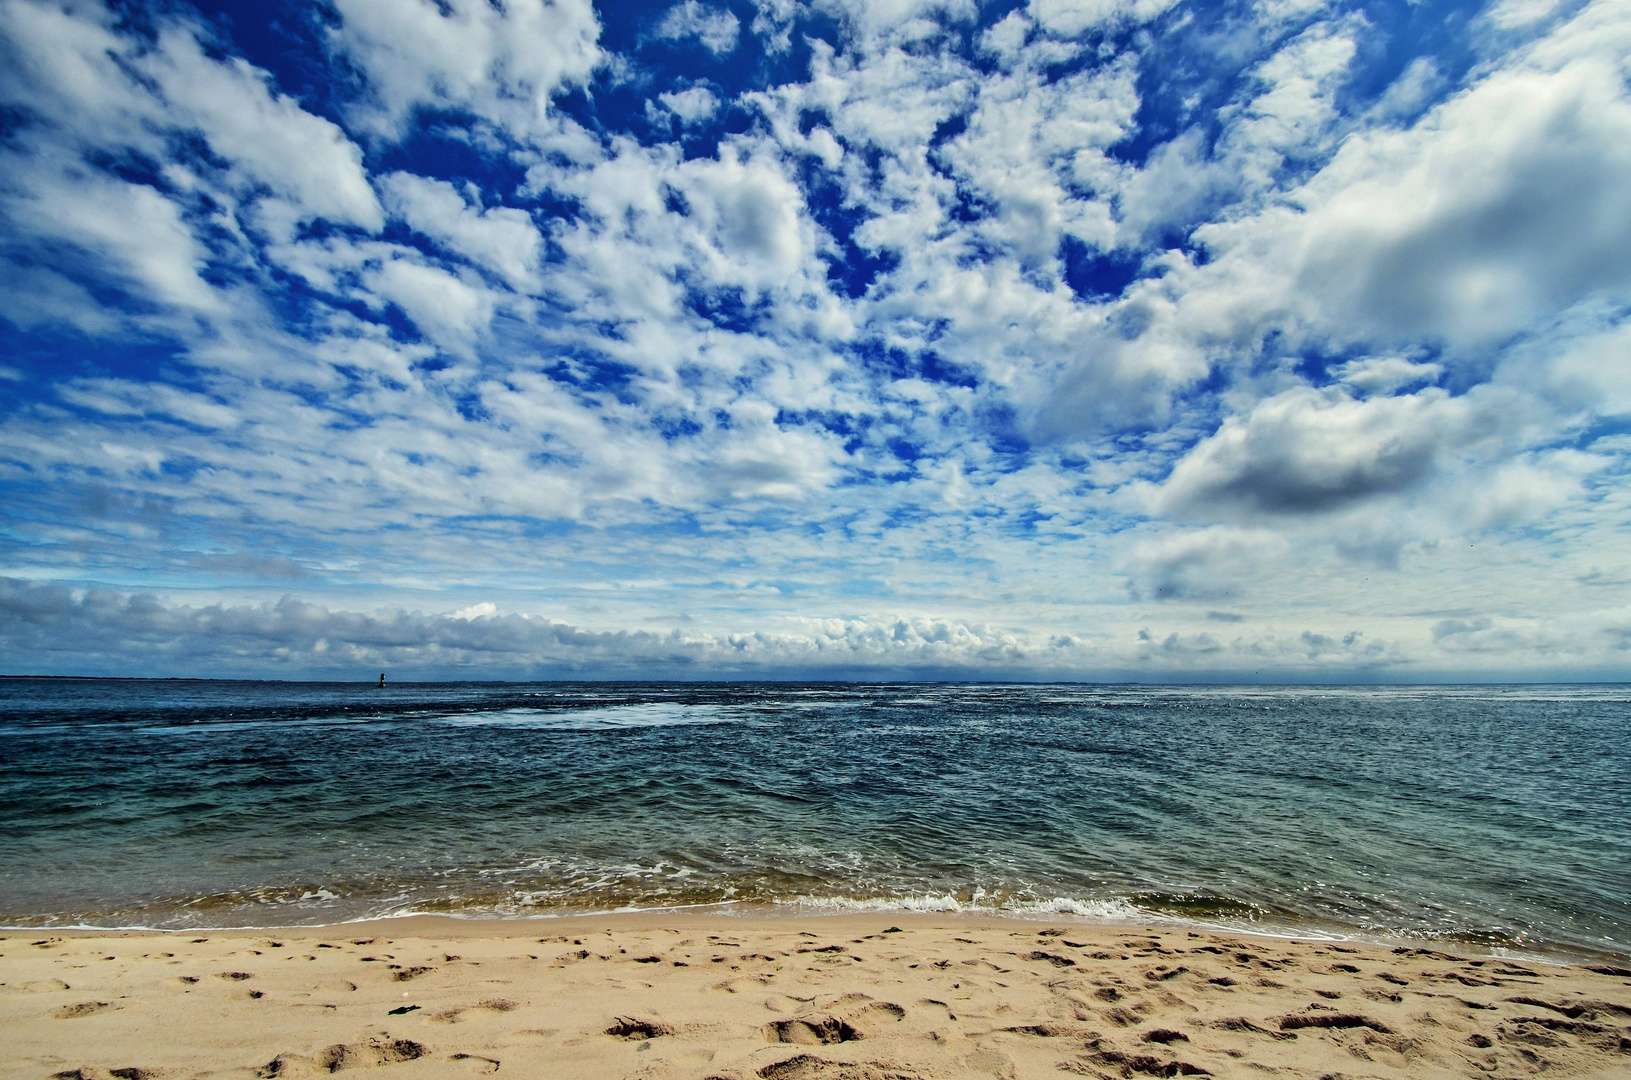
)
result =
(382, 680)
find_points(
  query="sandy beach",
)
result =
(872, 997)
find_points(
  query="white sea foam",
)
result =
(1107, 911)
(649, 714)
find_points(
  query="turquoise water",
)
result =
(1494, 816)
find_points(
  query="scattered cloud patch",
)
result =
(714, 28)
(692, 106)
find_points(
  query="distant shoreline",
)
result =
(488, 924)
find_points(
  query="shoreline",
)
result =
(855, 996)
(728, 911)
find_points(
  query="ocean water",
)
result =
(1498, 817)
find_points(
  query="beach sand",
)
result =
(836, 998)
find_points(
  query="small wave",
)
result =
(204, 727)
(650, 714)
(1226, 916)
(1109, 911)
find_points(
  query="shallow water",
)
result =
(1498, 816)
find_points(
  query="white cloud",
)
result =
(773, 22)
(692, 105)
(751, 215)
(502, 63)
(1072, 17)
(1496, 209)
(1295, 110)
(1177, 184)
(716, 29)
(1006, 39)
(119, 397)
(1512, 14)
(302, 157)
(500, 239)
(1018, 151)
(450, 311)
(105, 91)
(1469, 227)
(1522, 491)
(1415, 88)
(35, 297)
(1304, 451)
(1384, 374)
(131, 228)
(1584, 364)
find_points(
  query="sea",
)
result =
(1494, 818)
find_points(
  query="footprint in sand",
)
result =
(1053, 1029)
(993, 1062)
(1148, 1064)
(844, 1019)
(1241, 1024)
(452, 1016)
(404, 974)
(340, 1056)
(477, 1062)
(811, 1030)
(809, 1067)
(1331, 1020)
(628, 1027)
(1122, 1017)
(1165, 1036)
(84, 1008)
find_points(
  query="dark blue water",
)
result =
(1492, 815)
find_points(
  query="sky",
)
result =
(905, 339)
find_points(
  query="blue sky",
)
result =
(1062, 339)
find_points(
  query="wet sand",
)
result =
(876, 997)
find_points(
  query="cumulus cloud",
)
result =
(750, 214)
(715, 29)
(499, 239)
(1071, 17)
(103, 90)
(692, 105)
(502, 63)
(1304, 451)
(1384, 374)
(304, 158)
(1493, 210)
